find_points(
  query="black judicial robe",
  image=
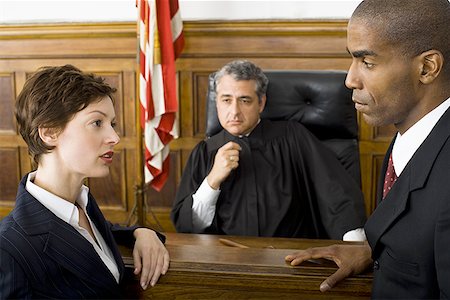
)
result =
(288, 184)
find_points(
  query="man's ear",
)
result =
(262, 103)
(431, 62)
(48, 135)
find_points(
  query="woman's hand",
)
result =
(151, 257)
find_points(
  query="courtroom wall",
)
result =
(109, 49)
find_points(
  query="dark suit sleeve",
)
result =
(442, 242)
(124, 235)
(13, 281)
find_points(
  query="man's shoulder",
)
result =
(283, 127)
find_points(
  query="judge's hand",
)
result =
(151, 257)
(351, 260)
(226, 160)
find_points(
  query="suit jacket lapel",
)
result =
(379, 194)
(63, 243)
(66, 246)
(413, 177)
(102, 226)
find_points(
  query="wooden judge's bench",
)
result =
(206, 267)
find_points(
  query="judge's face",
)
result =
(85, 146)
(238, 106)
(383, 80)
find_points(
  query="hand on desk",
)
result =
(151, 257)
(351, 260)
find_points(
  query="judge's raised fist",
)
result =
(226, 160)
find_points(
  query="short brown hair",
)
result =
(50, 98)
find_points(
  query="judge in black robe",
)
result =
(271, 178)
(287, 185)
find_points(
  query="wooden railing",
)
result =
(202, 267)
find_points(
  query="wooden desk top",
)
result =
(202, 267)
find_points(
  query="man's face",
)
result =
(238, 107)
(384, 82)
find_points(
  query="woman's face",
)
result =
(85, 146)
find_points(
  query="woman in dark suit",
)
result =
(56, 242)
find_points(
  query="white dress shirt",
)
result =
(406, 144)
(68, 212)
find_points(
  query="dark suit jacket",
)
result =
(42, 256)
(409, 232)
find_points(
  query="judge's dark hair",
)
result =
(244, 70)
(50, 98)
(414, 26)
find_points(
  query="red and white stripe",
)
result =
(160, 43)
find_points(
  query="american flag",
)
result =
(161, 41)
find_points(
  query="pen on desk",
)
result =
(231, 243)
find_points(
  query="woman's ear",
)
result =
(432, 62)
(48, 135)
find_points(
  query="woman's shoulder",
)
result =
(10, 233)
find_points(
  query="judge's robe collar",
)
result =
(255, 139)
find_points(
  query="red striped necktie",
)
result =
(389, 178)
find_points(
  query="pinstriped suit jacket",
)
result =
(42, 256)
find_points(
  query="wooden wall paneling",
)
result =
(9, 177)
(185, 105)
(7, 96)
(201, 87)
(25, 163)
(9, 143)
(384, 133)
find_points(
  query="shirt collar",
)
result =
(242, 135)
(63, 209)
(406, 144)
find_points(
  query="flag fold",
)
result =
(161, 41)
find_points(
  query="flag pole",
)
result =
(139, 187)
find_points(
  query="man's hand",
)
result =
(151, 257)
(226, 160)
(351, 260)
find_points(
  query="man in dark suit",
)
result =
(56, 242)
(400, 75)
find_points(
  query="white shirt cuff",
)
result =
(204, 206)
(356, 235)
